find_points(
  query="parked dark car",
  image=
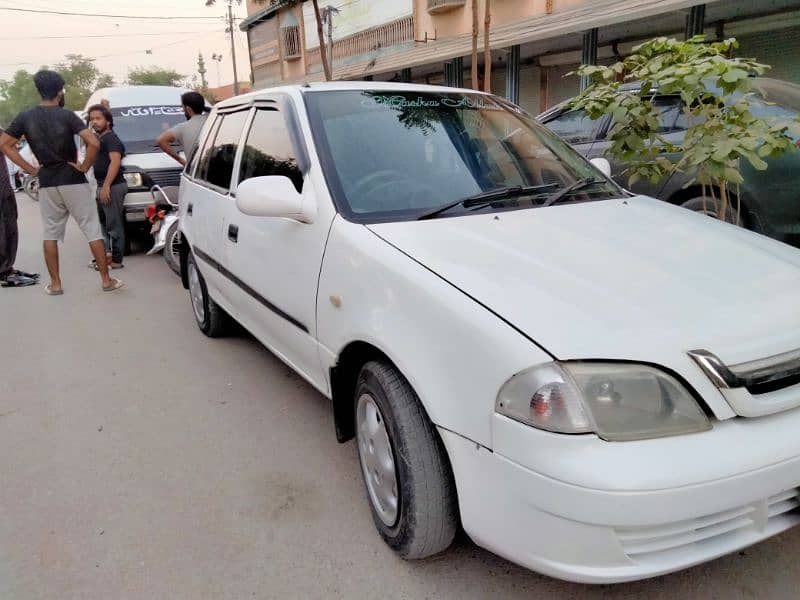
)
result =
(770, 199)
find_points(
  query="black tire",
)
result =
(213, 321)
(426, 518)
(171, 252)
(710, 207)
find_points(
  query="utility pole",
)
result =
(327, 18)
(233, 49)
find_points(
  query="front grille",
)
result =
(643, 543)
(165, 177)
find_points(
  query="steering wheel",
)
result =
(369, 186)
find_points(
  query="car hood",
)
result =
(628, 279)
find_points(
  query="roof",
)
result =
(334, 86)
(264, 14)
(138, 95)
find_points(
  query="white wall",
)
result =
(355, 16)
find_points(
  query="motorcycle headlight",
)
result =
(618, 402)
(133, 179)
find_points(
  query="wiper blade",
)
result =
(573, 187)
(486, 198)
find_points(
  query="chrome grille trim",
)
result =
(748, 374)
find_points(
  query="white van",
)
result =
(141, 114)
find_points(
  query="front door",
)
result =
(276, 261)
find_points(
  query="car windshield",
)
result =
(139, 126)
(398, 154)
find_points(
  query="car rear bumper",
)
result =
(598, 536)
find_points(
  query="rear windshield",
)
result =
(139, 126)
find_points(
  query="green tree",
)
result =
(716, 92)
(81, 78)
(155, 76)
(16, 95)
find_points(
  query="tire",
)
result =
(420, 518)
(172, 250)
(31, 188)
(212, 319)
(710, 207)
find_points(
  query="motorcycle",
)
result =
(163, 217)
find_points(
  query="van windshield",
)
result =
(139, 126)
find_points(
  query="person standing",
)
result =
(9, 234)
(185, 134)
(111, 186)
(63, 189)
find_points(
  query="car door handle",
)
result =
(189, 209)
(233, 233)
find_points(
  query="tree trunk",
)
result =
(487, 51)
(475, 85)
(323, 53)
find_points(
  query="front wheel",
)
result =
(172, 248)
(406, 472)
(711, 207)
(210, 317)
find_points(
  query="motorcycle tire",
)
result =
(172, 249)
(31, 187)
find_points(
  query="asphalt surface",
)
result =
(140, 459)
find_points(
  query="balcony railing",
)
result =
(440, 6)
(363, 42)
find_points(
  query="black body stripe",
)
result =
(247, 289)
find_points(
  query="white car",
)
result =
(598, 386)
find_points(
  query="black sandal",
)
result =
(25, 274)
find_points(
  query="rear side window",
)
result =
(216, 164)
(203, 148)
(269, 150)
(574, 127)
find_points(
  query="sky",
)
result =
(174, 43)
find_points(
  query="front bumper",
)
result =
(608, 534)
(135, 204)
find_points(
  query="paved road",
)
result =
(140, 459)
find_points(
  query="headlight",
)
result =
(618, 402)
(133, 179)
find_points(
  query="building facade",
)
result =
(535, 44)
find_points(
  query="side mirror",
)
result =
(602, 165)
(273, 196)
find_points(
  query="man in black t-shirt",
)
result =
(111, 186)
(63, 189)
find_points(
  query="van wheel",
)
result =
(406, 472)
(211, 319)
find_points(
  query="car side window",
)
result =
(203, 147)
(574, 127)
(269, 149)
(671, 117)
(216, 164)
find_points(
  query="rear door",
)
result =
(207, 200)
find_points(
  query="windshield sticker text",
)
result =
(420, 102)
(148, 111)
